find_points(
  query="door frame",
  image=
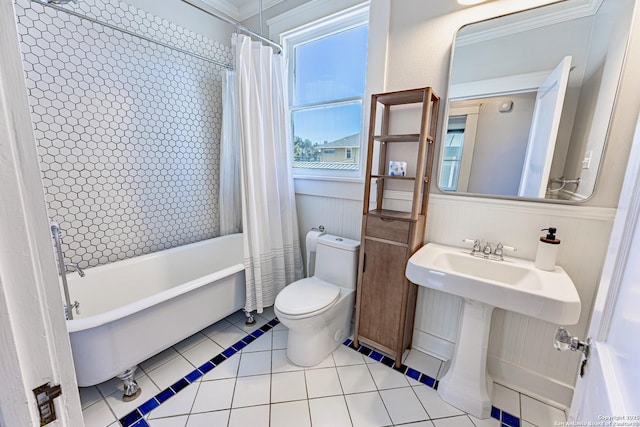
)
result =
(35, 347)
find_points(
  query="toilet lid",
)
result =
(306, 296)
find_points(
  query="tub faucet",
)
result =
(75, 267)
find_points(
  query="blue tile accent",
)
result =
(239, 345)
(510, 420)
(257, 333)
(364, 350)
(402, 368)
(347, 342)
(179, 385)
(140, 423)
(193, 376)
(248, 339)
(131, 418)
(273, 322)
(376, 356)
(495, 413)
(228, 353)
(427, 380)
(164, 395)
(412, 373)
(387, 361)
(148, 406)
(218, 359)
(207, 367)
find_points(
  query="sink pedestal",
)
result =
(466, 385)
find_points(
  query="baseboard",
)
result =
(531, 383)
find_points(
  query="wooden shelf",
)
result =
(410, 137)
(401, 97)
(385, 299)
(387, 213)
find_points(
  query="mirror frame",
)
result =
(606, 136)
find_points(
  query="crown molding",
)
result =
(546, 16)
(240, 12)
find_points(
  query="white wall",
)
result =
(419, 48)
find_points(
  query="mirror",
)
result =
(530, 100)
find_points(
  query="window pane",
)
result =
(322, 137)
(332, 67)
(451, 159)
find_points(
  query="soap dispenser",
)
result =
(547, 250)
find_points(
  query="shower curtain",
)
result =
(270, 225)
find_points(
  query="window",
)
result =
(327, 66)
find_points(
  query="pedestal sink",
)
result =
(513, 284)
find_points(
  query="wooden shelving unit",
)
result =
(385, 302)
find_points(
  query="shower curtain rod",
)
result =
(198, 5)
(131, 33)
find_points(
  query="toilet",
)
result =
(318, 309)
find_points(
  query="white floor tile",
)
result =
(179, 421)
(288, 386)
(260, 321)
(179, 404)
(227, 369)
(539, 413)
(98, 415)
(419, 424)
(436, 407)
(261, 344)
(488, 422)
(159, 359)
(423, 362)
(238, 316)
(523, 423)
(280, 363)
(280, 339)
(323, 382)
(385, 378)
(208, 419)
(328, 362)
(217, 327)
(329, 412)
(252, 391)
(258, 363)
(201, 352)
(254, 416)
(228, 336)
(191, 341)
(459, 421)
(403, 406)
(506, 399)
(355, 379)
(367, 409)
(267, 313)
(290, 414)
(214, 396)
(120, 408)
(170, 372)
(89, 396)
(280, 327)
(346, 356)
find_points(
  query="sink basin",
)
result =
(513, 284)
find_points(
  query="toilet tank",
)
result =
(337, 260)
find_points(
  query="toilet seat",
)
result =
(306, 296)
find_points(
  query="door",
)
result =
(34, 344)
(611, 383)
(544, 131)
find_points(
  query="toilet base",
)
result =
(313, 338)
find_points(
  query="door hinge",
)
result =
(44, 399)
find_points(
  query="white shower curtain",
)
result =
(272, 248)
(230, 202)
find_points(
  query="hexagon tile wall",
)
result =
(127, 131)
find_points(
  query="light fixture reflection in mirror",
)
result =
(530, 101)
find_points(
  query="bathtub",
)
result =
(133, 309)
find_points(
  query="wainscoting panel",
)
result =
(521, 353)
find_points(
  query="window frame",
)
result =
(326, 26)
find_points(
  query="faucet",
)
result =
(485, 251)
(75, 267)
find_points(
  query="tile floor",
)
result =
(259, 387)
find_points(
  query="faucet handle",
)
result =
(500, 249)
(487, 249)
(476, 245)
